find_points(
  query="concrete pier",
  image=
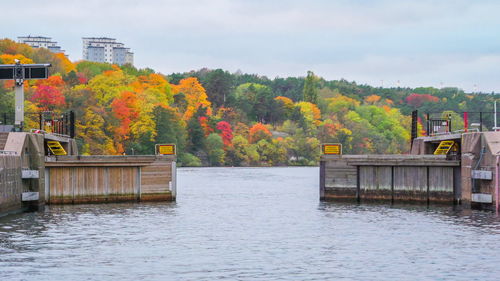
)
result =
(467, 176)
(97, 179)
(388, 178)
(30, 177)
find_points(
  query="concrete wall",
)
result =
(338, 179)
(29, 155)
(471, 147)
(92, 179)
(11, 186)
(390, 178)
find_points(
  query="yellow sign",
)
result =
(332, 148)
(56, 148)
(165, 149)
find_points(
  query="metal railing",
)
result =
(473, 121)
(438, 126)
(47, 121)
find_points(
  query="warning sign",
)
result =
(165, 149)
(332, 148)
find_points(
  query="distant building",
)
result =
(40, 42)
(103, 49)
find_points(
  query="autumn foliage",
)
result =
(225, 132)
(258, 132)
(220, 118)
(416, 100)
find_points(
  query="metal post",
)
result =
(19, 98)
(480, 121)
(495, 107)
(466, 121)
(414, 127)
(40, 121)
(66, 123)
(428, 125)
(19, 104)
(496, 182)
(72, 124)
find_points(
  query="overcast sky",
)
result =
(418, 43)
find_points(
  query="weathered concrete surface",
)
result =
(30, 148)
(441, 186)
(95, 179)
(375, 183)
(339, 179)
(471, 143)
(470, 148)
(3, 139)
(492, 139)
(490, 143)
(418, 147)
(11, 186)
(398, 160)
(418, 178)
(410, 183)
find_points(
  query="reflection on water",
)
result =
(249, 224)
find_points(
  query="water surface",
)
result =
(249, 224)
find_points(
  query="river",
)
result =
(249, 224)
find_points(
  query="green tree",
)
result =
(311, 88)
(169, 127)
(218, 85)
(215, 149)
(195, 133)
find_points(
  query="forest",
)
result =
(218, 118)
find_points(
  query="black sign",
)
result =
(35, 73)
(24, 71)
(6, 73)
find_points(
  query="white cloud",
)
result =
(419, 42)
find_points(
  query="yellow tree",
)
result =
(341, 104)
(194, 95)
(109, 85)
(310, 112)
(67, 65)
(155, 88)
(90, 128)
(372, 99)
(10, 59)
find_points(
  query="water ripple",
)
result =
(249, 224)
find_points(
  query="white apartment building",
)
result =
(104, 49)
(40, 42)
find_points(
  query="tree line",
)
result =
(219, 118)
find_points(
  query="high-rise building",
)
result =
(103, 49)
(40, 42)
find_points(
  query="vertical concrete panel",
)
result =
(441, 181)
(322, 167)
(340, 180)
(466, 180)
(375, 183)
(410, 183)
(11, 186)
